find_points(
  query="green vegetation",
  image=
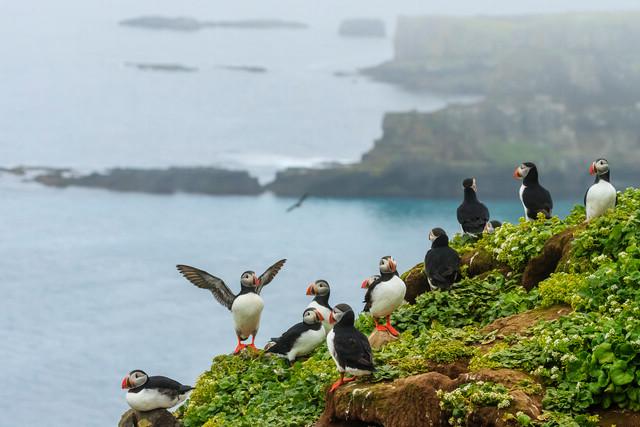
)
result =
(463, 400)
(586, 360)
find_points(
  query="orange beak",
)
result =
(256, 280)
(516, 173)
(365, 284)
(332, 319)
(592, 169)
(393, 265)
(311, 290)
(320, 316)
(125, 382)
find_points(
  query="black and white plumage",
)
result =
(534, 197)
(441, 263)
(472, 214)
(322, 291)
(302, 338)
(147, 393)
(348, 347)
(385, 293)
(602, 195)
(246, 307)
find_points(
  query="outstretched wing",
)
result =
(204, 280)
(268, 275)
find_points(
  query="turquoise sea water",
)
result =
(90, 290)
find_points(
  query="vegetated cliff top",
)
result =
(429, 154)
(477, 353)
(575, 57)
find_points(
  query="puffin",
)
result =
(534, 197)
(385, 293)
(348, 347)
(441, 263)
(472, 214)
(246, 307)
(601, 196)
(491, 226)
(321, 289)
(302, 338)
(147, 393)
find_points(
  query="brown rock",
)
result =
(480, 262)
(519, 323)
(541, 267)
(155, 418)
(379, 339)
(416, 282)
(406, 402)
(619, 418)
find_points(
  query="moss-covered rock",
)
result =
(156, 418)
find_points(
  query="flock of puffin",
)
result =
(348, 347)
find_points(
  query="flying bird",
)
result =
(147, 393)
(298, 203)
(246, 306)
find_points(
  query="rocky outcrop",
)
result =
(416, 282)
(379, 339)
(541, 266)
(519, 323)
(156, 418)
(394, 404)
(388, 404)
(200, 180)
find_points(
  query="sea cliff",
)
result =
(543, 330)
(558, 90)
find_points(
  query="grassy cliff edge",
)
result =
(565, 353)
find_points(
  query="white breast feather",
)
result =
(600, 197)
(149, 399)
(306, 343)
(522, 187)
(387, 296)
(246, 311)
(332, 349)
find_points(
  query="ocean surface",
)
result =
(87, 277)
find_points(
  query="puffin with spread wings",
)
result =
(246, 307)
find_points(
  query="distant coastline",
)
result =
(186, 24)
(581, 110)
